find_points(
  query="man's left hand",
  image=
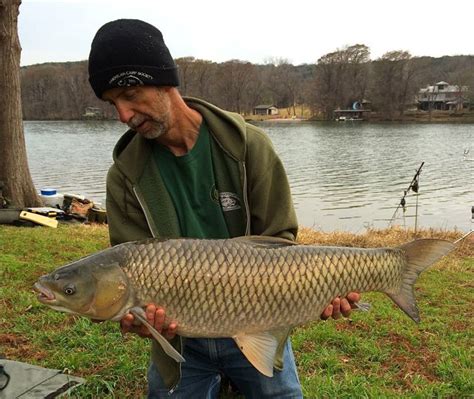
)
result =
(341, 306)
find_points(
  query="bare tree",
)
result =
(357, 58)
(59, 91)
(233, 80)
(204, 72)
(185, 70)
(326, 81)
(463, 78)
(14, 171)
(393, 77)
(342, 77)
(286, 84)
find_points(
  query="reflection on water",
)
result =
(72, 156)
(343, 175)
(349, 176)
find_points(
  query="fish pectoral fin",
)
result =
(139, 313)
(259, 349)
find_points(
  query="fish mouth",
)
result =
(45, 295)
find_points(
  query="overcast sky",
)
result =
(219, 30)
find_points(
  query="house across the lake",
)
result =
(356, 111)
(265, 110)
(444, 97)
(93, 113)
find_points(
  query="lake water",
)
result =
(343, 176)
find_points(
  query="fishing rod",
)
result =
(464, 236)
(414, 186)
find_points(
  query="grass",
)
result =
(376, 354)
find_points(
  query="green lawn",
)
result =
(381, 353)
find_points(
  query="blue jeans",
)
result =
(207, 359)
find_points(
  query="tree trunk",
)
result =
(14, 171)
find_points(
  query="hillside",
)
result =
(61, 90)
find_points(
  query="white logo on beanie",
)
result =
(130, 81)
(130, 78)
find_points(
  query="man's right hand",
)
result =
(156, 317)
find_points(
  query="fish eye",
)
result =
(69, 290)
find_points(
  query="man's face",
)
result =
(145, 109)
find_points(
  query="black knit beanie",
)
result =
(130, 52)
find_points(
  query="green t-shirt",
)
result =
(190, 182)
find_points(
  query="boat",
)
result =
(345, 119)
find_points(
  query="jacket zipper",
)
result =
(145, 212)
(246, 202)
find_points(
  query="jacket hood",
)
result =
(132, 151)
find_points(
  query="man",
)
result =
(189, 169)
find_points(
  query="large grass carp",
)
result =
(253, 289)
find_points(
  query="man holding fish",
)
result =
(186, 168)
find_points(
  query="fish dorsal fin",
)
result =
(150, 240)
(265, 241)
(139, 313)
(259, 349)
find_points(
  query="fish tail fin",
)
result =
(420, 254)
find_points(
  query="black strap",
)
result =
(4, 378)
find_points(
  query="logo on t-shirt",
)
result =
(229, 201)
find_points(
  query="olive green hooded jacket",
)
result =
(250, 178)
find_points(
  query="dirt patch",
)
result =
(97, 369)
(308, 347)
(351, 325)
(19, 348)
(460, 326)
(410, 360)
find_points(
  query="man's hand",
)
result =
(341, 306)
(156, 317)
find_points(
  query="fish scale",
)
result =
(277, 287)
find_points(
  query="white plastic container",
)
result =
(51, 197)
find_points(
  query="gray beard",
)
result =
(158, 129)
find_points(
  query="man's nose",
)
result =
(125, 113)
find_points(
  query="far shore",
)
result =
(468, 119)
(303, 114)
(408, 117)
